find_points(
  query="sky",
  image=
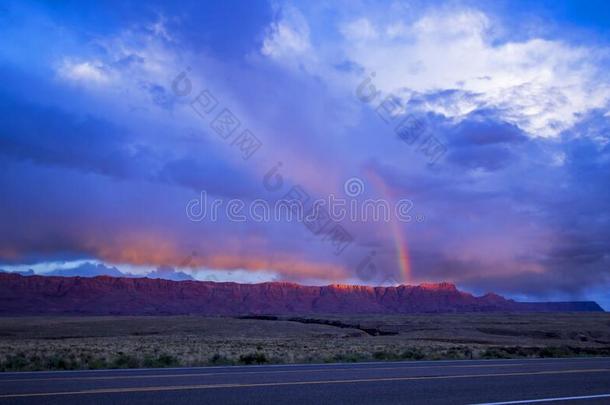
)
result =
(486, 124)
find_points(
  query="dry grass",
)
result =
(41, 343)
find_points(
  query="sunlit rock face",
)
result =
(21, 295)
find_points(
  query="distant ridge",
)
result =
(103, 295)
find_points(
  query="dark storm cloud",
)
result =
(482, 128)
(535, 221)
(57, 136)
(49, 136)
(489, 158)
(198, 173)
(483, 141)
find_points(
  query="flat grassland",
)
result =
(63, 343)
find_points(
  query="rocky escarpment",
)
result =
(103, 295)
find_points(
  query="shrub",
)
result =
(164, 360)
(97, 363)
(14, 362)
(412, 354)
(348, 357)
(219, 359)
(496, 353)
(253, 358)
(125, 361)
(382, 355)
(58, 363)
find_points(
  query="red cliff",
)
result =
(37, 295)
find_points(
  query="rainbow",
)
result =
(400, 243)
(402, 253)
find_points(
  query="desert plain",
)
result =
(94, 342)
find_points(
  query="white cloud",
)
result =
(360, 29)
(130, 75)
(287, 37)
(396, 30)
(159, 29)
(92, 72)
(539, 85)
(131, 57)
(543, 86)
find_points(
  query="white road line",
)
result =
(238, 373)
(288, 383)
(351, 365)
(532, 401)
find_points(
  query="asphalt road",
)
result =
(582, 380)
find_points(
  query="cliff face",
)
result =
(29, 295)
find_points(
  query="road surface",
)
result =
(582, 381)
